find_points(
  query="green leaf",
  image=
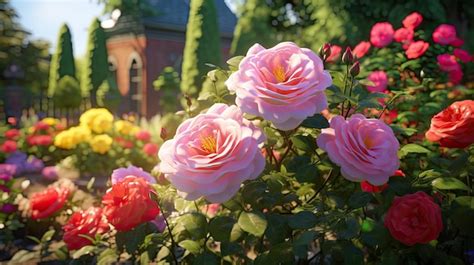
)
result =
(230, 248)
(300, 245)
(195, 224)
(206, 258)
(191, 246)
(462, 214)
(221, 228)
(359, 199)
(304, 142)
(90, 184)
(107, 256)
(302, 220)
(253, 223)
(352, 255)
(316, 121)
(412, 148)
(449, 184)
(86, 250)
(23, 256)
(277, 230)
(47, 236)
(253, 192)
(350, 230)
(34, 239)
(234, 62)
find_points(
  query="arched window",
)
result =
(113, 68)
(134, 95)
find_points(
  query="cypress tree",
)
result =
(67, 94)
(62, 62)
(202, 45)
(96, 64)
(253, 27)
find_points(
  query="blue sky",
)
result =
(43, 19)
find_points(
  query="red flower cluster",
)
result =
(414, 219)
(454, 126)
(128, 203)
(45, 203)
(8, 146)
(84, 223)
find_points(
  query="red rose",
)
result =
(150, 149)
(416, 49)
(457, 42)
(361, 49)
(444, 34)
(335, 53)
(45, 203)
(403, 35)
(412, 21)
(9, 146)
(12, 134)
(455, 76)
(381, 34)
(447, 62)
(42, 140)
(41, 126)
(454, 126)
(414, 218)
(367, 187)
(128, 203)
(462, 55)
(127, 144)
(143, 135)
(88, 223)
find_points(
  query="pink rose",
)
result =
(121, 173)
(457, 42)
(335, 53)
(143, 135)
(361, 49)
(462, 55)
(380, 80)
(212, 154)
(416, 49)
(447, 62)
(284, 84)
(455, 77)
(381, 34)
(150, 149)
(365, 149)
(444, 34)
(403, 35)
(413, 20)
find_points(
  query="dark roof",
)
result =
(173, 14)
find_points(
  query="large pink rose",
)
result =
(284, 84)
(380, 80)
(381, 34)
(444, 34)
(212, 154)
(365, 149)
(361, 49)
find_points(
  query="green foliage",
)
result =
(202, 45)
(68, 93)
(96, 64)
(168, 84)
(252, 27)
(62, 62)
(108, 94)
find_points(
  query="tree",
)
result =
(96, 64)
(108, 95)
(67, 94)
(62, 63)
(168, 84)
(202, 45)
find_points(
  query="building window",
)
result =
(134, 92)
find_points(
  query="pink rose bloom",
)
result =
(365, 149)
(457, 42)
(455, 77)
(462, 55)
(447, 62)
(403, 35)
(212, 154)
(380, 80)
(284, 84)
(444, 34)
(416, 49)
(50, 173)
(121, 173)
(381, 34)
(335, 53)
(143, 135)
(150, 149)
(361, 49)
(413, 20)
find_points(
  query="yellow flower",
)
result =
(101, 143)
(125, 127)
(65, 140)
(50, 121)
(80, 133)
(98, 120)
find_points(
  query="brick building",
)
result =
(139, 49)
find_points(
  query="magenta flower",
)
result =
(444, 34)
(381, 34)
(380, 80)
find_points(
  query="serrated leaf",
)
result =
(254, 223)
(449, 183)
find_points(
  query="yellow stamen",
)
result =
(279, 73)
(209, 144)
